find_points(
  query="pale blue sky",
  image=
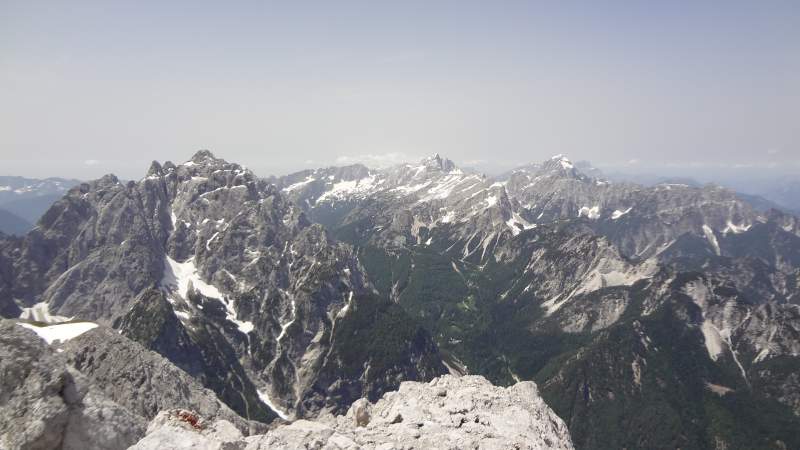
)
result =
(93, 87)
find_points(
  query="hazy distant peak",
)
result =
(563, 160)
(203, 156)
(586, 168)
(204, 163)
(560, 164)
(155, 169)
(435, 161)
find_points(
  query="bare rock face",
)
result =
(183, 429)
(45, 404)
(447, 413)
(143, 381)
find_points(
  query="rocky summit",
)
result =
(446, 413)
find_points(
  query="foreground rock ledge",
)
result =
(447, 413)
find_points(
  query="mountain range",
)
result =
(24, 200)
(658, 316)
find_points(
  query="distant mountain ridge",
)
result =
(11, 223)
(28, 199)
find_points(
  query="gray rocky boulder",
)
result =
(45, 404)
(447, 413)
(182, 429)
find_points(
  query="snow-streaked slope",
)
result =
(179, 277)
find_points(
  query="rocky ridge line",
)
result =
(447, 413)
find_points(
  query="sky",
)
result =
(95, 87)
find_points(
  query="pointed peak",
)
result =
(205, 159)
(108, 179)
(433, 158)
(155, 169)
(557, 161)
(202, 155)
(436, 161)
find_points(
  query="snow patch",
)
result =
(617, 213)
(177, 278)
(40, 312)
(736, 229)
(712, 238)
(298, 185)
(713, 339)
(442, 189)
(264, 397)
(590, 213)
(518, 224)
(343, 189)
(286, 325)
(342, 312)
(60, 332)
(447, 218)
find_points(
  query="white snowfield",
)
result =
(179, 275)
(590, 213)
(619, 213)
(61, 332)
(264, 397)
(40, 312)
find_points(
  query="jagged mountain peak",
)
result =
(436, 161)
(563, 160)
(202, 156)
(202, 163)
(559, 164)
(203, 166)
(155, 169)
(204, 159)
(108, 179)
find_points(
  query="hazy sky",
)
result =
(88, 88)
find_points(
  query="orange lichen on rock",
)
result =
(190, 418)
